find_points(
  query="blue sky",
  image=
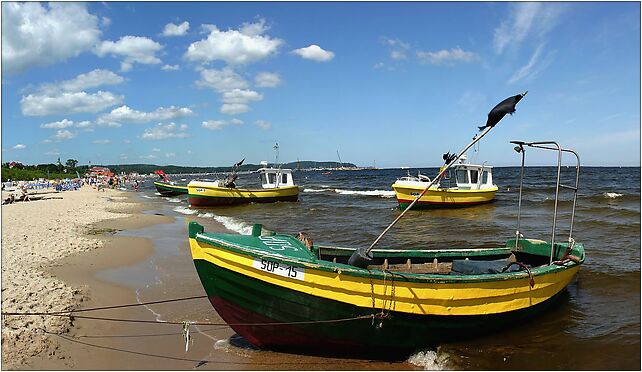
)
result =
(399, 84)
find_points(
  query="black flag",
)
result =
(239, 163)
(506, 106)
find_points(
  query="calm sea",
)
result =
(595, 325)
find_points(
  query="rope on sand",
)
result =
(72, 314)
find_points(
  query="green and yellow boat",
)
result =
(285, 293)
(170, 189)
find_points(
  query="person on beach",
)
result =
(10, 199)
(135, 185)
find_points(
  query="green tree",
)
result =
(71, 163)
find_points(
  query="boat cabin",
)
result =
(273, 177)
(472, 177)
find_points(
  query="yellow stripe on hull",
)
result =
(436, 295)
(201, 189)
(408, 193)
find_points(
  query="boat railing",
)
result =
(553, 146)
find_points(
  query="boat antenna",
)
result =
(361, 256)
(276, 151)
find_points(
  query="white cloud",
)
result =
(65, 123)
(267, 80)
(68, 103)
(241, 96)
(220, 124)
(148, 156)
(221, 80)
(170, 154)
(52, 153)
(62, 135)
(398, 48)
(315, 53)
(165, 131)
(176, 30)
(92, 79)
(171, 67)
(101, 142)
(134, 49)
(156, 149)
(234, 108)
(125, 114)
(263, 124)
(527, 19)
(532, 68)
(446, 56)
(235, 47)
(38, 34)
(19, 146)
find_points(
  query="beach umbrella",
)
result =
(498, 112)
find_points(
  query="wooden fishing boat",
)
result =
(276, 185)
(283, 293)
(169, 188)
(473, 185)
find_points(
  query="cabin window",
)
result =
(462, 176)
(271, 178)
(264, 179)
(284, 178)
(473, 176)
(485, 177)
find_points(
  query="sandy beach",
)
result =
(36, 235)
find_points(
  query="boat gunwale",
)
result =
(329, 266)
(239, 189)
(167, 185)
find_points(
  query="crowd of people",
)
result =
(20, 191)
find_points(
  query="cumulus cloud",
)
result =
(133, 49)
(19, 146)
(170, 154)
(267, 80)
(125, 114)
(62, 135)
(67, 103)
(165, 131)
(171, 67)
(39, 34)
(236, 47)
(221, 80)
(101, 142)
(446, 56)
(176, 30)
(220, 124)
(263, 124)
(92, 79)
(526, 20)
(315, 53)
(65, 123)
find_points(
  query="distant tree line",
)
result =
(174, 169)
(20, 172)
(15, 171)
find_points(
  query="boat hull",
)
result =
(242, 300)
(203, 195)
(167, 189)
(320, 305)
(442, 198)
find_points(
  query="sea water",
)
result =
(594, 325)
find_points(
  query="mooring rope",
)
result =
(191, 323)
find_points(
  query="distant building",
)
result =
(99, 171)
